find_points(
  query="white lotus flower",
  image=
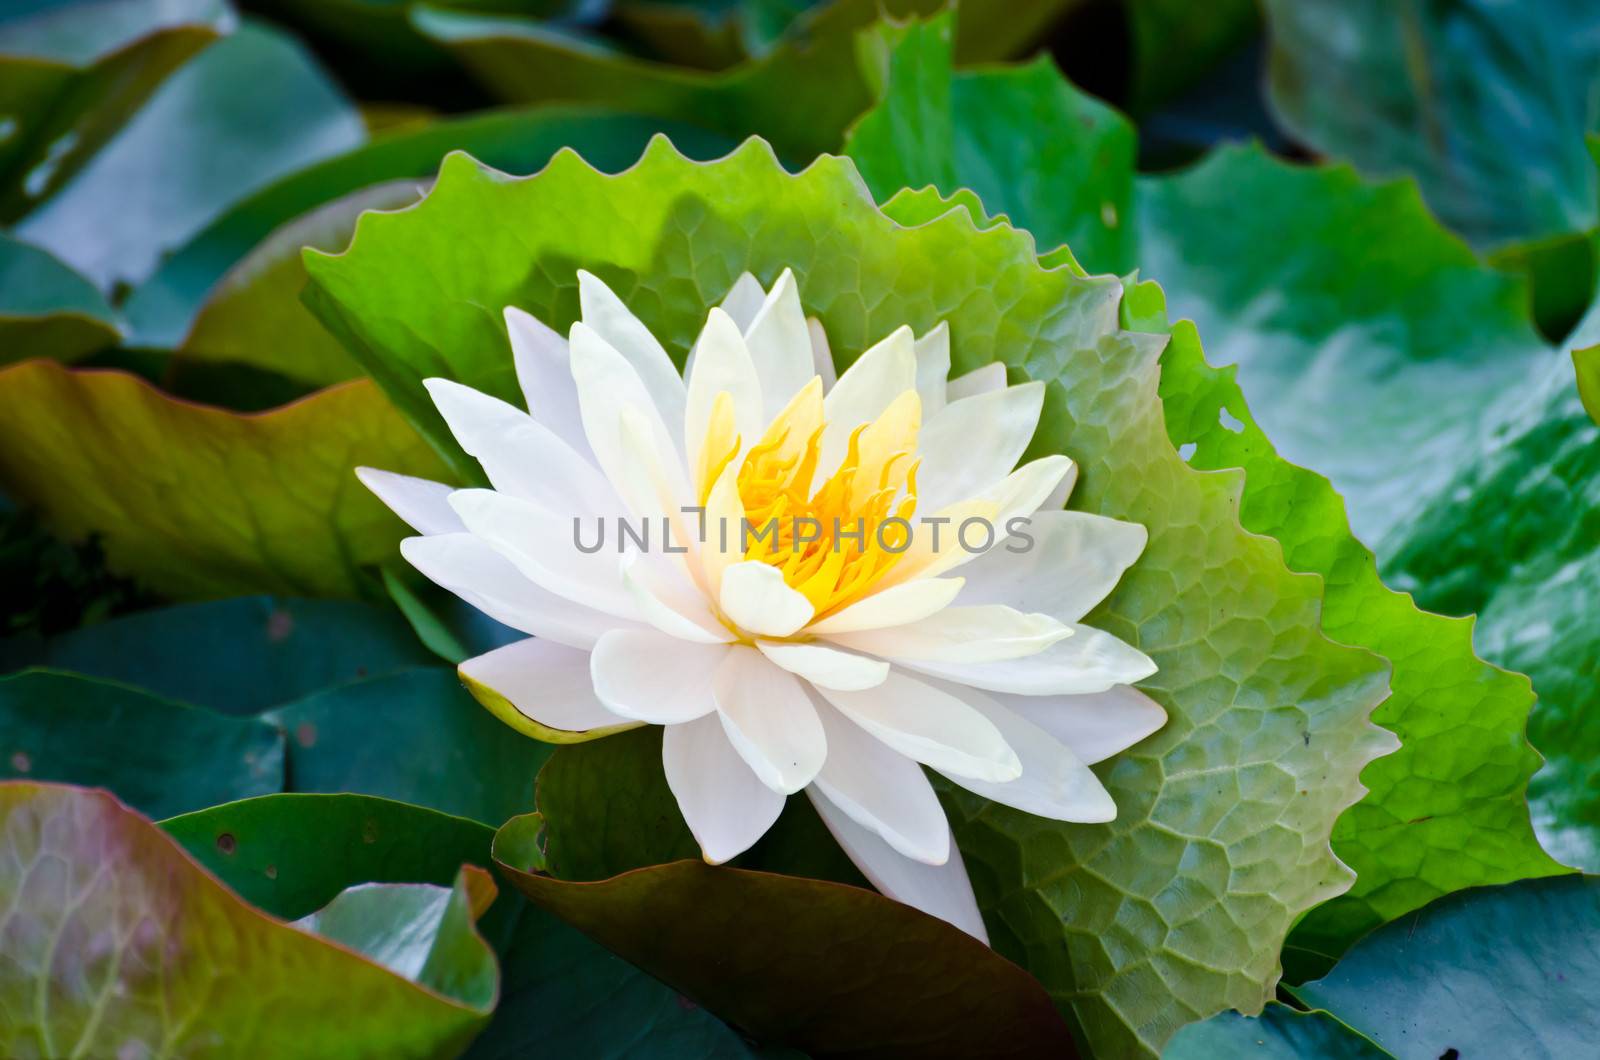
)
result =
(838, 666)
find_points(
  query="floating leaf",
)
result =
(248, 110)
(158, 756)
(196, 501)
(112, 942)
(47, 310)
(1216, 851)
(1498, 971)
(1447, 810)
(70, 77)
(1280, 1033)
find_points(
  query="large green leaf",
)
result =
(1448, 92)
(1499, 971)
(246, 111)
(1280, 1033)
(70, 76)
(117, 943)
(768, 952)
(518, 140)
(46, 309)
(291, 854)
(415, 736)
(197, 501)
(158, 756)
(1216, 850)
(238, 656)
(1364, 277)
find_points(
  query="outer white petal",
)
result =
(984, 633)
(974, 443)
(894, 606)
(933, 369)
(669, 604)
(1091, 660)
(725, 805)
(742, 302)
(879, 375)
(606, 383)
(931, 726)
(882, 790)
(991, 376)
(542, 545)
(722, 362)
(821, 355)
(546, 682)
(941, 891)
(604, 312)
(826, 667)
(756, 598)
(1067, 564)
(544, 372)
(488, 581)
(769, 720)
(1057, 498)
(1096, 726)
(422, 503)
(780, 345)
(1054, 783)
(651, 677)
(477, 420)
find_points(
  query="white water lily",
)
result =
(839, 665)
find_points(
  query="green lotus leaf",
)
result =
(1402, 88)
(47, 310)
(244, 112)
(70, 77)
(196, 501)
(766, 952)
(1280, 1033)
(79, 869)
(1501, 971)
(1369, 275)
(159, 756)
(236, 269)
(237, 656)
(1216, 851)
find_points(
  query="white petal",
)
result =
(655, 678)
(487, 580)
(724, 530)
(422, 503)
(821, 355)
(770, 720)
(1054, 783)
(1091, 660)
(995, 511)
(1066, 564)
(983, 633)
(604, 312)
(991, 376)
(894, 606)
(974, 443)
(826, 667)
(780, 345)
(1096, 726)
(725, 805)
(1057, 498)
(742, 302)
(933, 369)
(882, 790)
(544, 372)
(606, 383)
(547, 683)
(544, 547)
(476, 419)
(722, 363)
(941, 891)
(879, 375)
(667, 603)
(755, 596)
(931, 726)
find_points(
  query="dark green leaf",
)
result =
(47, 310)
(160, 757)
(1280, 1033)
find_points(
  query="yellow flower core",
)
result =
(835, 542)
